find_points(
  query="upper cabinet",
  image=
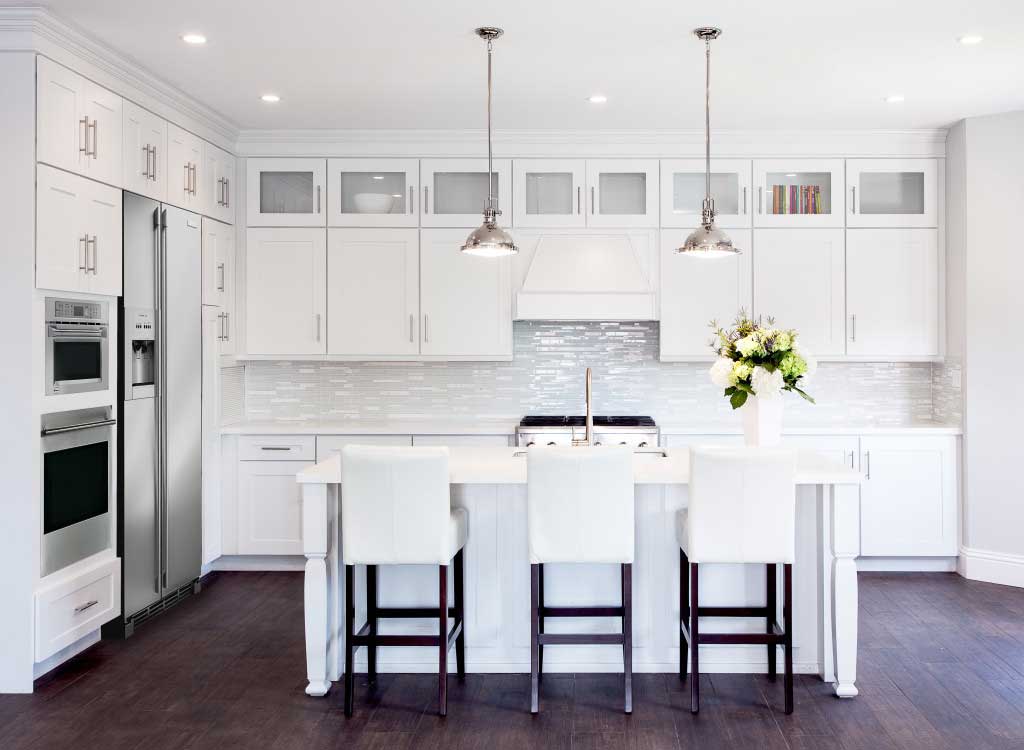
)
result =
(218, 175)
(683, 190)
(549, 192)
(78, 124)
(622, 192)
(373, 192)
(799, 192)
(454, 191)
(286, 192)
(144, 157)
(892, 192)
(185, 186)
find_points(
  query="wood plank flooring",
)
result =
(941, 667)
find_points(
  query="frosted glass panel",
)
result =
(688, 192)
(799, 193)
(373, 192)
(622, 193)
(286, 192)
(462, 192)
(891, 193)
(549, 193)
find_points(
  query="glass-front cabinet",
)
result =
(453, 192)
(892, 192)
(683, 188)
(622, 193)
(799, 192)
(373, 192)
(286, 192)
(549, 192)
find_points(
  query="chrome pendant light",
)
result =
(708, 241)
(489, 240)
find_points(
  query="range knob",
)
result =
(623, 442)
(643, 444)
(530, 443)
(552, 443)
(597, 443)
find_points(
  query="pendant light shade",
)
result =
(707, 241)
(489, 240)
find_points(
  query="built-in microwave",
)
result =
(77, 346)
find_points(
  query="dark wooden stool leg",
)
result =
(770, 573)
(627, 634)
(350, 649)
(371, 618)
(540, 623)
(442, 656)
(534, 639)
(460, 640)
(787, 617)
(694, 641)
(684, 610)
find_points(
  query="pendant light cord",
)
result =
(707, 122)
(490, 168)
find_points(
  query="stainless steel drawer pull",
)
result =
(412, 199)
(579, 199)
(867, 465)
(592, 200)
(153, 173)
(853, 199)
(426, 199)
(744, 200)
(318, 199)
(227, 327)
(274, 448)
(88, 605)
(84, 140)
(76, 427)
(220, 270)
(146, 172)
(95, 129)
(227, 192)
(411, 323)
(853, 327)
(83, 246)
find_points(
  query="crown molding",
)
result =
(36, 29)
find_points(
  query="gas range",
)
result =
(638, 432)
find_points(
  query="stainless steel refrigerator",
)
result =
(160, 409)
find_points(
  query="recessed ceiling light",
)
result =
(271, 98)
(378, 177)
(894, 98)
(193, 38)
(597, 98)
(790, 174)
(969, 39)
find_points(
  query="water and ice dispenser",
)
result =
(140, 353)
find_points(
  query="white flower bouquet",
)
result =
(758, 359)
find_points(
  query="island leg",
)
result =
(845, 547)
(314, 547)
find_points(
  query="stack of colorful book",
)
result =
(796, 199)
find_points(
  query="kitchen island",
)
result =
(490, 483)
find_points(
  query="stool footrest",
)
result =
(734, 612)
(580, 611)
(362, 638)
(776, 637)
(579, 639)
(399, 613)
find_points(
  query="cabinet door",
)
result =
(104, 111)
(217, 173)
(622, 192)
(184, 162)
(799, 192)
(286, 192)
(845, 451)
(683, 189)
(466, 301)
(892, 300)
(103, 225)
(270, 507)
(60, 117)
(454, 191)
(549, 192)
(213, 267)
(144, 153)
(60, 235)
(225, 267)
(211, 432)
(892, 192)
(798, 280)
(695, 291)
(908, 497)
(373, 278)
(286, 281)
(373, 192)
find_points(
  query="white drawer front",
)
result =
(277, 448)
(74, 608)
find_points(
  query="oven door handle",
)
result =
(74, 332)
(76, 427)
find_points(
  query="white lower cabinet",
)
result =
(464, 441)
(74, 606)
(211, 433)
(841, 449)
(270, 507)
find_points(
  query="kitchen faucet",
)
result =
(588, 436)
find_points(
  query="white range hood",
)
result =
(586, 276)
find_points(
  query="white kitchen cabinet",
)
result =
(549, 192)
(892, 292)
(373, 280)
(695, 291)
(78, 233)
(799, 281)
(799, 192)
(373, 192)
(465, 300)
(622, 192)
(464, 441)
(215, 234)
(909, 496)
(211, 431)
(454, 191)
(185, 169)
(892, 192)
(683, 190)
(270, 507)
(843, 449)
(71, 607)
(286, 284)
(78, 123)
(286, 192)
(218, 174)
(144, 156)
(225, 265)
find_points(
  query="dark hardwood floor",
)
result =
(941, 667)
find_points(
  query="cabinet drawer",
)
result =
(71, 609)
(277, 448)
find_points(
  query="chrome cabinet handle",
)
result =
(88, 605)
(153, 173)
(426, 199)
(195, 179)
(744, 200)
(95, 258)
(592, 202)
(426, 328)
(83, 252)
(317, 327)
(145, 172)
(83, 147)
(95, 137)
(867, 464)
(220, 191)
(412, 198)
(318, 199)
(851, 459)
(579, 201)
(411, 323)
(220, 270)
(227, 326)
(227, 192)
(853, 199)
(853, 327)
(220, 326)
(188, 177)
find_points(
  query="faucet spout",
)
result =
(588, 436)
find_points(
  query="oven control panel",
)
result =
(75, 311)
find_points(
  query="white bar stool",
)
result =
(396, 510)
(580, 509)
(741, 510)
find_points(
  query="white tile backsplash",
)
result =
(546, 377)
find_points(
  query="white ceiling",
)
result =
(416, 63)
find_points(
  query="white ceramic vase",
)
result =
(762, 421)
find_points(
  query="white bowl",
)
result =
(373, 203)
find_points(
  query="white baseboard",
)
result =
(991, 567)
(256, 563)
(55, 660)
(907, 564)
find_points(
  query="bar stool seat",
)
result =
(458, 531)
